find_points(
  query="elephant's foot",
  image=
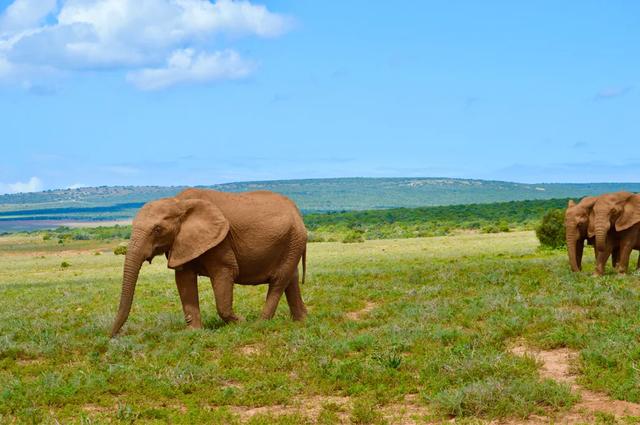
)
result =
(193, 321)
(300, 317)
(299, 314)
(231, 318)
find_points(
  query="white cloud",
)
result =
(25, 14)
(133, 35)
(187, 66)
(33, 185)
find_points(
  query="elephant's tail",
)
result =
(304, 264)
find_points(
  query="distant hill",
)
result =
(312, 195)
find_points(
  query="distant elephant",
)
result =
(247, 238)
(576, 220)
(615, 223)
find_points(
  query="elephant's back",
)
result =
(246, 210)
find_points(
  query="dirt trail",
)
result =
(408, 412)
(556, 365)
(358, 315)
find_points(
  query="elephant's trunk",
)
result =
(575, 257)
(132, 263)
(602, 228)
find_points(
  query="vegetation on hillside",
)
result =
(429, 221)
(398, 223)
(316, 195)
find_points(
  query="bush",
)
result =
(120, 250)
(81, 236)
(353, 236)
(315, 237)
(490, 228)
(550, 232)
(65, 265)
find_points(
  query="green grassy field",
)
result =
(399, 331)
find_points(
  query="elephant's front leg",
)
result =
(187, 282)
(625, 253)
(222, 282)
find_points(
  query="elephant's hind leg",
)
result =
(187, 283)
(294, 299)
(276, 288)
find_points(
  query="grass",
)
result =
(442, 313)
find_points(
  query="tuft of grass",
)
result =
(365, 412)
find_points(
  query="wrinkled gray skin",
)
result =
(615, 223)
(576, 221)
(249, 238)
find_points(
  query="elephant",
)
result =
(576, 220)
(246, 238)
(615, 223)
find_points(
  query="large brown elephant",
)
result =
(615, 223)
(576, 221)
(248, 238)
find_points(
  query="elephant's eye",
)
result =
(157, 229)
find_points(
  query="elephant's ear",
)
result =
(203, 226)
(571, 203)
(588, 201)
(591, 225)
(630, 214)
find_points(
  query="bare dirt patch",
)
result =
(307, 407)
(359, 314)
(558, 365)
(251, 349)
(406, 412)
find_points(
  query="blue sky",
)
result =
(105, 92)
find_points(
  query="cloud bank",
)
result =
(158, 43)
(33, 185)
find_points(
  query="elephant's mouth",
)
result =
(158, 251)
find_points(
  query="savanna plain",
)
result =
(471, 327)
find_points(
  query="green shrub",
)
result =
(353, 236)
(315, 237)
(65, 265)
(81, 236)
(120, 250)
(550, 231)
(490, 228)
